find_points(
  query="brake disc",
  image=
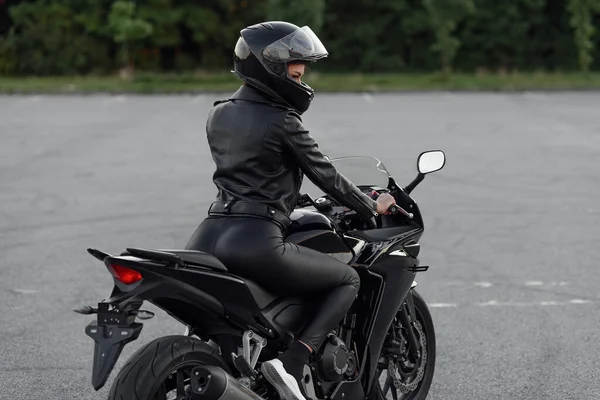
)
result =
(393, 368)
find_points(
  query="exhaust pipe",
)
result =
(213, 383)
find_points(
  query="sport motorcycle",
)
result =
(384, 345)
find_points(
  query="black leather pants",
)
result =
(255, 249)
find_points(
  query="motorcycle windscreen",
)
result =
(301, 45)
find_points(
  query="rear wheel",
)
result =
(401, 378)
(161, 370)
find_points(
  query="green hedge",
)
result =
(67, 37)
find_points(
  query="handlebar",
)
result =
(396, 209)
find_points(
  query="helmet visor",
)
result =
(301, 45)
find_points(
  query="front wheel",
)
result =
(161, 370)
(399, 375)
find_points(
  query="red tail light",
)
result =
(124, 274)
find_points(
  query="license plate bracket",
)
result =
(111, 332)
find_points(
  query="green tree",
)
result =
(216, 26)
(581, 12)
(509, 35)
(126, 28)
(298, 12)
(48, 38)
(391, 39)
(68, 37)
(445, 16)
(8, 63)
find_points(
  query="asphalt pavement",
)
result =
(511, 226)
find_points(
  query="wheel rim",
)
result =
(407, 373)
(175, 384)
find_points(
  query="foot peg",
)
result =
(243, 366)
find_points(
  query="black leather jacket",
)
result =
(262, 150)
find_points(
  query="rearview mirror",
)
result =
(431, 161)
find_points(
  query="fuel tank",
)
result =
(311, 229)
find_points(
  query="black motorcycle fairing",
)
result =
(158, 281)
(289, 316)
(226, 296)
(372, 250)
(405, 201)
(308, 219)
(368, 301)
(398, 275)
(213, 302)
(324, 241)
(384, 234)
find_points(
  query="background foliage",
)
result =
(67, 37)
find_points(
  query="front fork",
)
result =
(407, 314)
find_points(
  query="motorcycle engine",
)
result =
(333, 359)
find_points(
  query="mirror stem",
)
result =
(414, 183)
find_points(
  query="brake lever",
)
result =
(396, 209)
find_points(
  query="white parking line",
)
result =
(442, 305)
(496, 303)
(486, 284)
(534, 283)
(24, 291)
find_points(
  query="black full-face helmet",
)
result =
(262, 55)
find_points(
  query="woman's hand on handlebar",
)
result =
(384, 202)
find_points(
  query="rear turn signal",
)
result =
(124, 274)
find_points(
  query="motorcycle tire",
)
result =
(153, 364)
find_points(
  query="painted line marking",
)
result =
(442, 305)
(580, 301)
(25, 291)
(496, 303)
(486, 284)
(534, 283)
(549, 303)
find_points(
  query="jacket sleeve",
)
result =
(321, 171)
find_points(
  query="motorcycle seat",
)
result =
(198, 258)
(263, 298)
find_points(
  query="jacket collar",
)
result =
(250, 93)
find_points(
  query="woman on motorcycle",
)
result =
(261, 151)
